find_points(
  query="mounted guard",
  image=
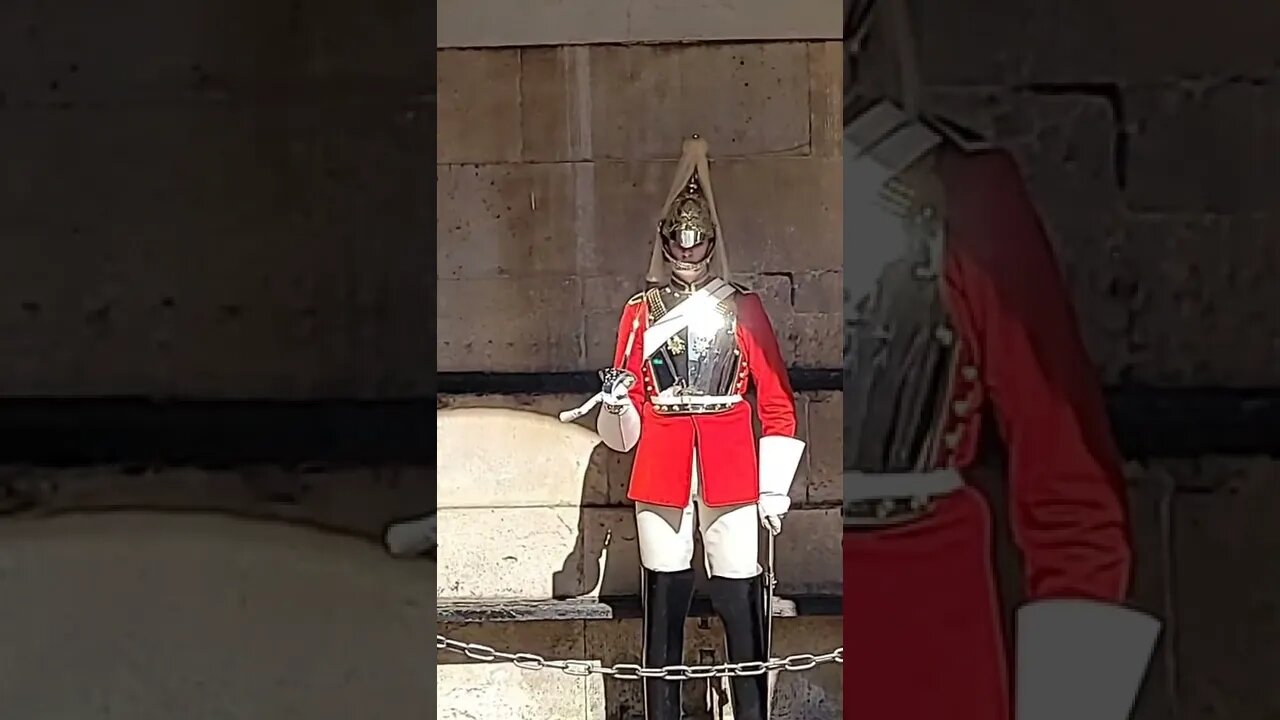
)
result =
(689, 348)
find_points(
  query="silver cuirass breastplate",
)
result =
(702, 359)
(898, 345)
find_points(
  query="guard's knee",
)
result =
(672, 554)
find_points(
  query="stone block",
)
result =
(1118, 42)
(605, 468)
(557, 97)
(526, 553)
(1228, 633)
(1197, 287)
(72, 55)
(826, 99)
(509, 325)
(1217, 135)
(1002, 42)
(472, 690)
(744, 99)
(507, 220)
(816, 694)
(616, 102)
(808, 553)
(819, 291)
(610, 294)
(818, 340)
(601, 338)
(467, 23)
(625, 199)
(781, 214)
(775, 290)
(253, 603)
(478, 106)
(981, 43)
(825, 452)
(493, 457)
(269, 233)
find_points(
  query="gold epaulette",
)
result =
(657, 308)
(636, 299)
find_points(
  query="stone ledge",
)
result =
(612, 608)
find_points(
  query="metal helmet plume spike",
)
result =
(691, 185)
(896, 14)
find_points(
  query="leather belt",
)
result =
(693, 404)
(874, 500)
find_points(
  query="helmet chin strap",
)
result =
(687, 271)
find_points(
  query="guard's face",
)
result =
(688, 231)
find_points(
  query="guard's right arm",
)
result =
(618, 422)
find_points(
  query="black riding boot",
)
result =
(667, 596)
(741, 607)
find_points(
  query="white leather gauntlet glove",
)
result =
(779, 458)
(615, 384)
(619, 420)
(772, 508)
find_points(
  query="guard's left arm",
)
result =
(780, 449)
(1068, 511)
(1080, 652)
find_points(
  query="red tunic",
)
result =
(726, 443)
(923, 631)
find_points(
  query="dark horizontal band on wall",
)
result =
(1147, 421)
(63, 432)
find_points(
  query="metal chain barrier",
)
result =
(631, 671)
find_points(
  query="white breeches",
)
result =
(730, 536)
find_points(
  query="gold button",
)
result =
(952, 439)
(961, 407)
(969, 372)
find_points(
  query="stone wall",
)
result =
(546, 210)
(215, 199)
(211, 200)
(1144, 130)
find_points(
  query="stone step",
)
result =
(611, 608)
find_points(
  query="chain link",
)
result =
(631, 671)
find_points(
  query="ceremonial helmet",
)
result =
(890, 68)
(688, 229)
